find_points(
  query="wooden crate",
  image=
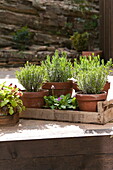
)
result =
(102, 116)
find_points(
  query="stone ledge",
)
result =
(14, 58)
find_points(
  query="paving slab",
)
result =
(39, 129)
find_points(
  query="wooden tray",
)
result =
(102, 116)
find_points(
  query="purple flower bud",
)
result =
(59, 98)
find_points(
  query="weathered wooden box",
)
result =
(102, 116)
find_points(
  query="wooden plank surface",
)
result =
(63, 115)
(83, 153)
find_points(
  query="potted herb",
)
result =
(59, 70)
(88, 63)
(31, 78)
(10, 104)
(91, 83)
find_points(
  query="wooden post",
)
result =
(106, 28)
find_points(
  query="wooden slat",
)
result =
(108, 115)
(102, 116)
(56, 147)
(93, 153)
(63, 115)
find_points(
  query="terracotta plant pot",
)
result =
(89, 53)
(60, 88)
(88, 102)
(34, 99)
(9, 119)
(106, 87)
(75, 87)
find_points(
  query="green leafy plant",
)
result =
(58, 68)
(80, 41)
(22, 38)
(90, 23)
(62, 102)
(10, 101)
(88, 63)
(92, 81)
(31, 77)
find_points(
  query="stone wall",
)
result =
(51, 22)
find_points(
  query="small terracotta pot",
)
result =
(89, 53)
(34, 99)
(60, 88)
(106, 87)
(88, 102)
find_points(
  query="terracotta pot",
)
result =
(88, 102)
(34, 99)
(106, 87)
(75, 87)
(9, 119)
(89, 53)
(60, 88)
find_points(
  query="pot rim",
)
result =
(40, 93)
(89, 97)
(57, 85)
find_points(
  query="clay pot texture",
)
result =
(88, 102)
(106, 87)
(60, 88)
(75, 86)
(89, 53)
(34, 99)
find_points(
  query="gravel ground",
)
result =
(7, 72)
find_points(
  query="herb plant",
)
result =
(10, 101)
(92, 81)
(31, 77)
(58, 68)
(62, 102)
(88, 63)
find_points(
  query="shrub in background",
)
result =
(80, 41)
(22, 38)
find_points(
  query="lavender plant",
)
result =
(58, 68)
